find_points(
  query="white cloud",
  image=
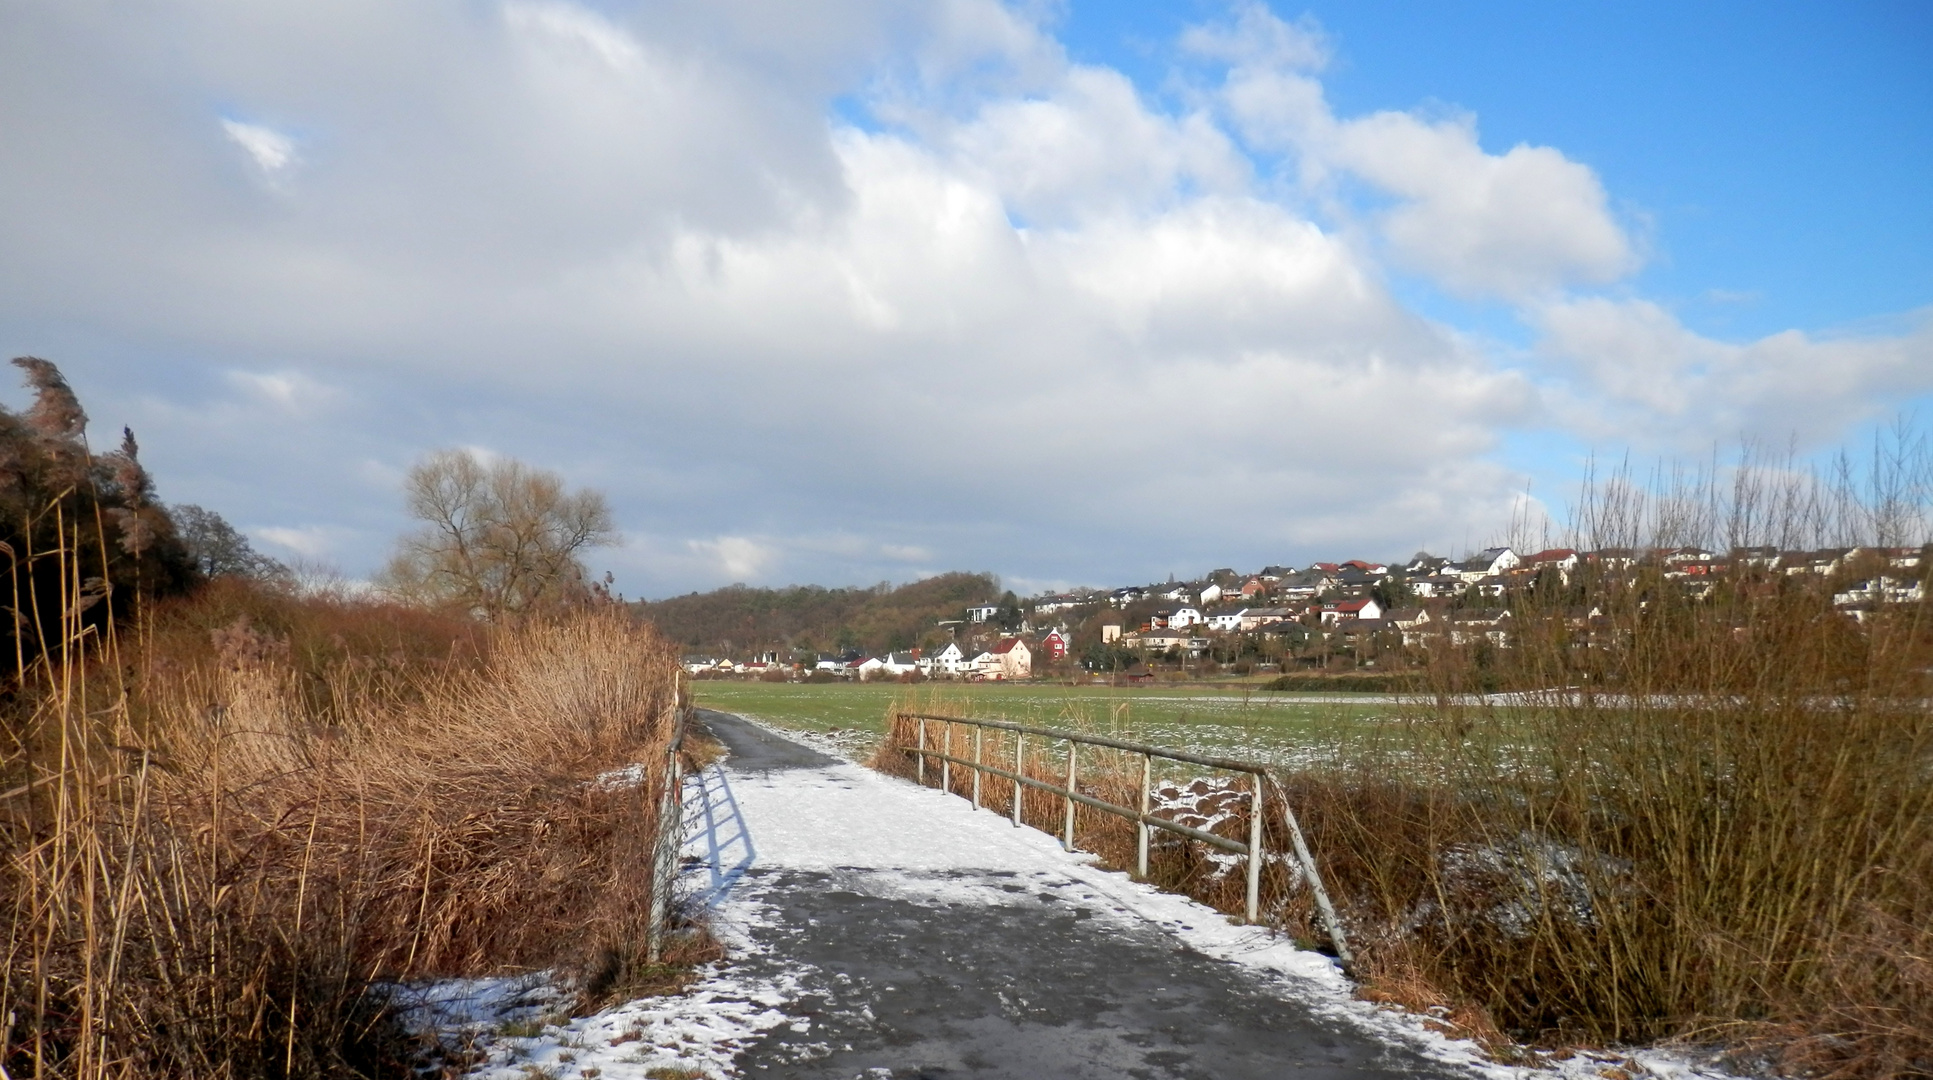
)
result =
(737, 558)
(1519, 224)
(306, 541)
(1258, 38)
(291, 391)
(578, 28)
(1516, 224)
(271, 150)
(637, 241)
(1637, 371)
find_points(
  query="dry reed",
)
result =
(226, 835)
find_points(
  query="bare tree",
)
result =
(218, 548)
(498, 538)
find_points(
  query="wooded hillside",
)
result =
(739, 620)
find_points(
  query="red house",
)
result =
(1053, 646)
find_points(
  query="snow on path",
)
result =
(891, 838)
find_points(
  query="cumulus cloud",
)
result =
(1516, 224)
(1028, 317)
(1525, 222)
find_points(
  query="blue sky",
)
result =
(860, 290)
(1781, 153)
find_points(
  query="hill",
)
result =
(739, 620)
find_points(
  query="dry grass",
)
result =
(1709, 819)
(226, 829)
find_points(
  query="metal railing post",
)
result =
(979, 741)
(922, 753)
(946, 761)
(1255, 848)
(1019, 769)
(671, 834)
(1321, 894)
(1067, 837)
(1141, 828)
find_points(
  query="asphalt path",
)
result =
(1017, 971)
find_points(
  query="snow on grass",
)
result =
(520, 1028)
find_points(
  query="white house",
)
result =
(1366, 608)
(1012, 659)
(1225, 621)
(1256, 618)
(1210, 594)
(870, 667)
(900, 663)
(947, 661)
(982, 612)
(1487, 563)
(1178, 618)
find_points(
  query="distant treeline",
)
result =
(739, 620)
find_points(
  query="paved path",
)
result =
(923, 939)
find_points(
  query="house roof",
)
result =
(1007, 645)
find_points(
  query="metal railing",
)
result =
(670, 838)
(1145, 821)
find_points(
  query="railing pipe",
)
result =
(1327, 909)
(1254, 848)
(1067, 838)
(1019, 767)
(1225, 764)
(979, 740)
(671, 832)
(1141, 832)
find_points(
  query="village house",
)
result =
(1163, 639)
(1256, 618)
(948, 661)
(1210, 593)
(1366, 608)
(982, 612)
(1179, 618)
(1224, 622)
(1407, 618)
(1009, 659)
(1054, 645)
(1562, 560)
(1486, 564)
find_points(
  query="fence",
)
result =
(671, 831)
(1071, 795)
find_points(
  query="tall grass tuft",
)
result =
(231, 824)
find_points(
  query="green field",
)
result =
(1278, 728)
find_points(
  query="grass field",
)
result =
(1278, 728)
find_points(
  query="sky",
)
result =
(851, 291)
